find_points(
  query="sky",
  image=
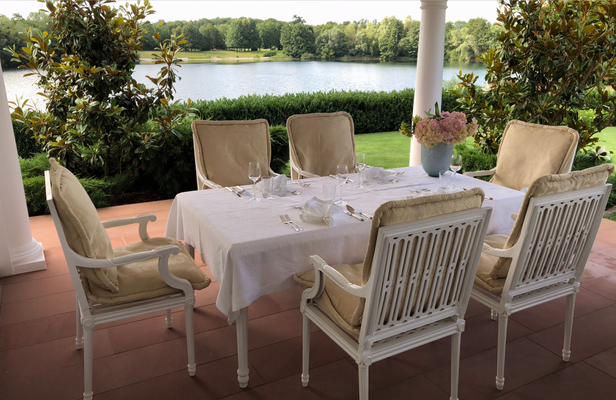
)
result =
(315, 12)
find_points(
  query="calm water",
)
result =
(210, 81)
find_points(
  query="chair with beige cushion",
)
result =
(152, 275)
(319, 142)
(545, 254)
(412, 288)
(529, 151)
(223, 150)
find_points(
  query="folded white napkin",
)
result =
(375, 173)
(279, 185)
(317, 210)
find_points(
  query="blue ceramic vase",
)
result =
(436, 159)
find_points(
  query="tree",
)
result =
(549, 60)
(96, 113)
(194, 39)
(297, 39)
(242, 34)
(409, 45)
(269, 31)
(391, 32)
(331, 44)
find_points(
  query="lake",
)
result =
(210, 81)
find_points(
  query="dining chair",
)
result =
(318, 142)
(152, 275)
(412, 288)
(223, 150)
(528, 151)
(545, 254)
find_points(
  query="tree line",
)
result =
(388, 39)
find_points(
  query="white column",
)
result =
(430, 56)
(19, 252)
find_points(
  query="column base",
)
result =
(27, 258)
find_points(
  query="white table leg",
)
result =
(241, 326)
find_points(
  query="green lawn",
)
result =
(205, 55)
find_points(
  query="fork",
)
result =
(389, 181)
(300, 183)
(293, 224)
(284, 221)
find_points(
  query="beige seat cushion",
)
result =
(223, 150)
(347, 310)
(483, 278)
(141, 280)
(83, 229)
(544, 186)
(318, 142)
(529, 151)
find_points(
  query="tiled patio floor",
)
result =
(141, 359)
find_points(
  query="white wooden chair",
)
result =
(528, 151)
(318, 142)
(153, 275)
(223, 150)
(545, 254)
(412, 288)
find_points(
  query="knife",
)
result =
(353, 215)
(233, 191)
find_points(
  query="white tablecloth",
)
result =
(252, 253)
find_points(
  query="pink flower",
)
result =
(449, 128)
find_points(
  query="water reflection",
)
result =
(210, 81)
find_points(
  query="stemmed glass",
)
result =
(456, 164)
(254, 173)
(342, 170)
(360, 164)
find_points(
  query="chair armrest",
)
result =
(303, 173)
(207, 182)
(481, 173)
(321, 267)
(142, 220)
(272, 173)
(162, 253)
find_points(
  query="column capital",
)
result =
(433, 4)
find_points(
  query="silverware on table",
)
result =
(388, 181)
(233, 191)
(352, 211)
(346, 179)
(293, 224)
(241, 190)
(357, 217)
(287, 222)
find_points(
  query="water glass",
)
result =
(342, 172)
(254, 173)
(329, 192)
(360, 164)
(455, 166)
(267, 185)
(444, 179)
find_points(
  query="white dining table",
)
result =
(251, 253)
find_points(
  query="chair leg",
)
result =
(168, 318)
(500, 358)
(363, 381)
(305, 351)
(88, 351)
(568, 327)
(190, 337)
(79, 330)
(455, 364)
(493, 315)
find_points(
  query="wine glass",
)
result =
(360, 164)
(342, 170)
(254, 173)
(456, 164)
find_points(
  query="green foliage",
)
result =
(297, 39)
(611, 216)
(611, 201)
(473, 159)
(269, 32)
(95, 111)
(280, 149)
(332, 44)
(391, 31)
(242, 34)
(270, 53)
(26, 144)
(548, 56)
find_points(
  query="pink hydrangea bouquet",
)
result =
(445, 127)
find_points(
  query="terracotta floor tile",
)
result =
(207, 296)
(418, 388)
(525, 362)
(39, 358)
(607, 236)
(475, 308)
(263, 306)
(212, 381)
(288, 299)
(553, 312)
(275, 328)
(576, 382)
(594, 271)
(37, 288)
(214, 345)
(36, 331)
(609, 251)
(604, 361)
(282, 359)
(603, 258)
(55, 265)
(605, 286)
(607, 224)
(64, 383)
(37, 308)
(592, 334)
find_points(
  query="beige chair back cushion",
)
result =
(223, 150)
(82, 227)
(319, 142)
(544, 186)
(529, 151)
(347, 310)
